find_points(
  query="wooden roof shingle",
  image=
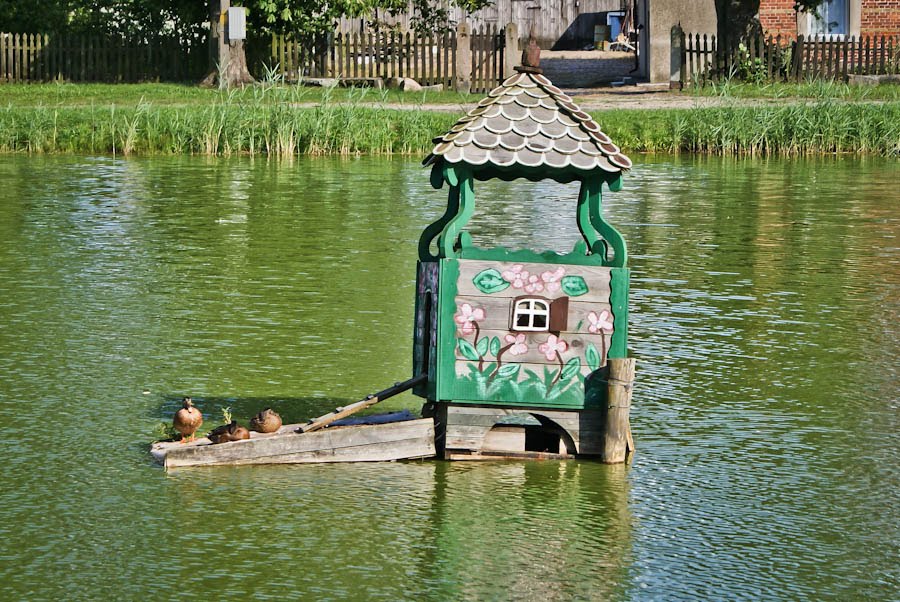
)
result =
(527, 121)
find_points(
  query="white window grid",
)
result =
(531, 315)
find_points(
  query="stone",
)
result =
(320, 82)
(410, 85)
(872, 80)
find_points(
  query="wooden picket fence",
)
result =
(428, 59)
(81, 58)
(759, 58)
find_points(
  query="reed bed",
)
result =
(257, 126)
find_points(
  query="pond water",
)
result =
(765, 310)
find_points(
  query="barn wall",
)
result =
(558, 24)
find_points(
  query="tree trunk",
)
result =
(228, 61)
(236, 72)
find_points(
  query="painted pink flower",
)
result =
(534, 284)
(552, 279)
(518, 343)
(601, 323)
(467, 317)
(516, 276)
(552, 347)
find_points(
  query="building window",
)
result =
(531, 315)
(831, 18)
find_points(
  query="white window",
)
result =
(832, 18)
(531, 315)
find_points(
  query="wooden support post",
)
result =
(617, 440)
(511, 51)
(463, 58)
(676, 58)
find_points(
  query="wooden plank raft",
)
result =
(312, 442)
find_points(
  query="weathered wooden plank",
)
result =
(504, 438)
(453, 413)
(386, 451)
(473, 431)
(285, 446)
(4, 76)
(532, 278)
(342, 412)
(498, 313)
(575, 343)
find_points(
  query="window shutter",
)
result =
(559, 315)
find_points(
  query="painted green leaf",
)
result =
(592, 356)
(574, 286)
(509, 370)
(489, 281)
(572, 367)
(468, 352)
(482, 347)
(548, 377)
(495, 346)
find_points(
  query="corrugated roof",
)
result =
(529, 122)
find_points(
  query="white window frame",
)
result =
(806, 23)
(527, 307)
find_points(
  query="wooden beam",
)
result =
(342, 412)
(617, 441)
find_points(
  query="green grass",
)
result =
(788, 130)
(268, 121)
(77, 95)
(811, 90)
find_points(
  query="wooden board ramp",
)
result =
(342, 412)
(311, 442)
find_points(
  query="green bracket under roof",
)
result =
(601, 237)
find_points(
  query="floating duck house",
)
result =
(514, 342)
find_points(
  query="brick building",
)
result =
(836, 17)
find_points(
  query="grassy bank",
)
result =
(816, 89)
(167, 94)
(262, 122)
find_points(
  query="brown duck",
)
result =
(267, 421)
(187, 420)
(228, 432)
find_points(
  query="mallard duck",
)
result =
(228, 432)
(187, 420)
(267, 421)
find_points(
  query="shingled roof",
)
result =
(529, 122)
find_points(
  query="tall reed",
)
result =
(270, 123)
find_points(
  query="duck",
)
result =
(187, 420)
(228, 432)
(267, 421)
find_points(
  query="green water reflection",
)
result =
(765, 304)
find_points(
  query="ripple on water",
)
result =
(764, 312)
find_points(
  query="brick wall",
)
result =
(778, 17)
(877, 17)
(880, 18)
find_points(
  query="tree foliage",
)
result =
(315, 16)
(739, 18)
(131, 19)
(185, 20)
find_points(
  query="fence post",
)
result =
(463, 58)
(511, 52)
(676, 71)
